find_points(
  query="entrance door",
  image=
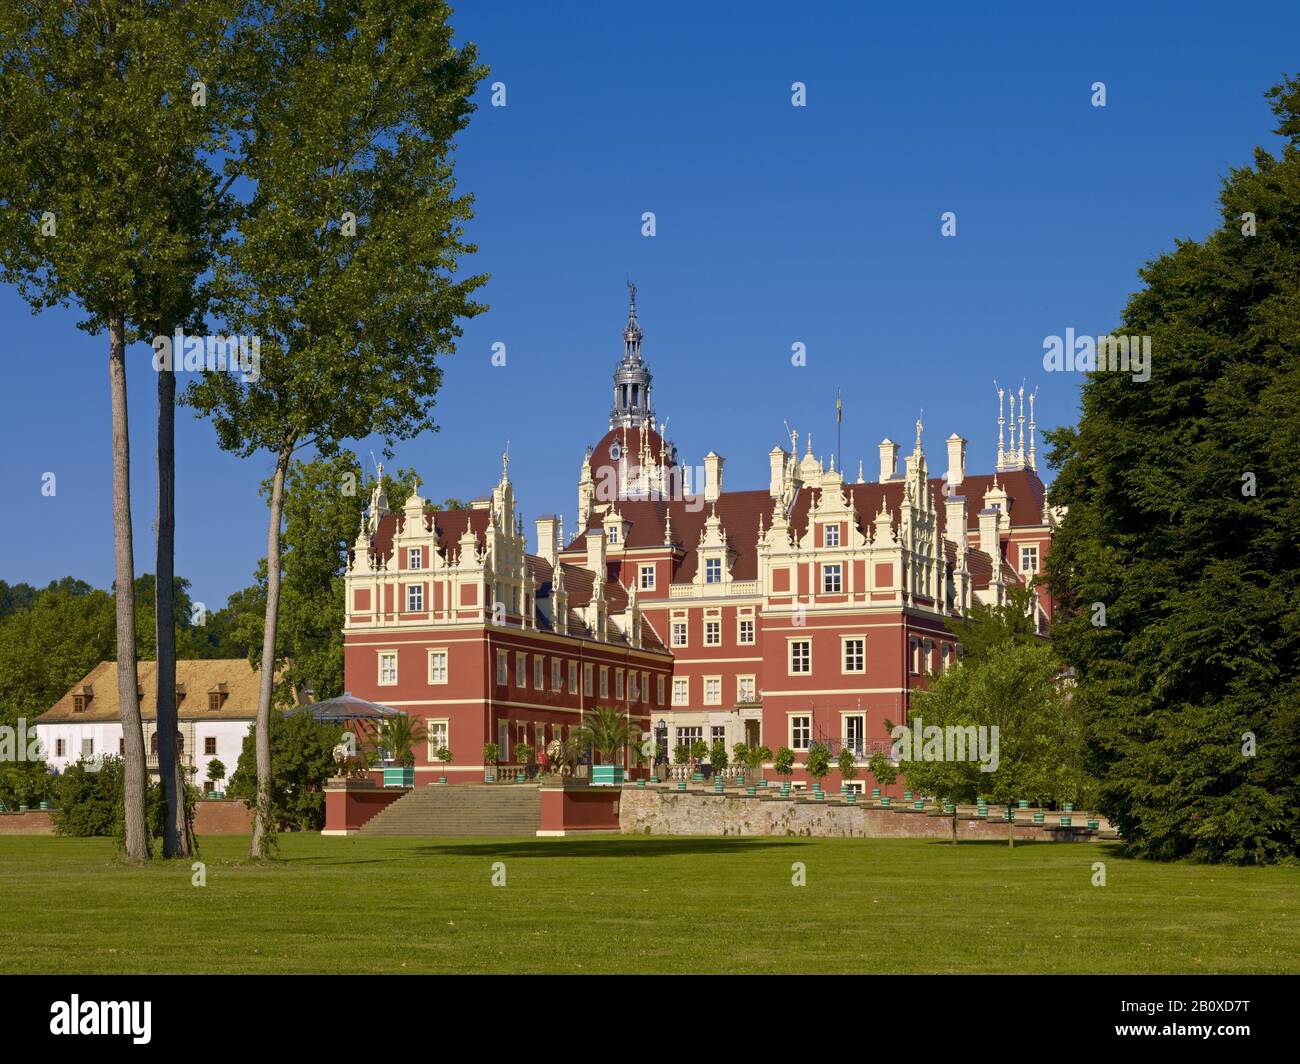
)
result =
(854, 734)
(751, 733)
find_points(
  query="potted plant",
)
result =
(699, 751)
(491, 754)
(607, 731)
(886, 774)
(398, 737)
(718, 763)
(446, 757)
(682, 758)
(784, 766)
(740, 758)
(755, 758)
(818, 764)
(848, 770)
(523, 754)
(216, 773)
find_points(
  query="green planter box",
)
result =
(851, 798)
(697, 777)
(399, 777)
(820, 796)
(1039, 818)
(907, 796)
(982, 811)
(1065, 821)
(1069, 807)
(681, 785)
(606, 775)
(718, 788)
(1023, 804)
(918, 804)
(875, 792)
(751, 790)
(1094, 825)
(785, 790)
(490, 777)
(521, 776)
(884, 802)
(948, 807)
(640, 784)
(442, 780)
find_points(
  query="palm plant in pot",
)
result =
(491, 754)
(784, 766)
(398, 737)
(607, 731)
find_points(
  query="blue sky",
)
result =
(775, 224)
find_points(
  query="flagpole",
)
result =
(839, 421)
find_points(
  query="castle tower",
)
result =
(633, 407)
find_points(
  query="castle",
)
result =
(805, 611)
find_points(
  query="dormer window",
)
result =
(217, 697)
(832, 535)
(713, 571)
(180, 693)
(78, 703)
(415, 558)
(612, 535)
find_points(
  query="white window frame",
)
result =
(633, 687)
(659, 690)
(539, 672)
(1025, 551)
(681, 690)
(573, 677)
(794, 743)
(713, 628)
(431, 729)
(588, 684)
(712, 566)
(746, 681)
(415, 557)
(790, 658)
(831, 534)
(503, 668)
(740, 631)
(604, 681)
(645, 571)
(557, 680)
(618, 684)
(861, 654)
(436, 653)
(521, 669)
(381, 656)
(414, 598)
(836, 570)
(713, 690)
(680, 628)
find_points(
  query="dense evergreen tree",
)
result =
(1184, 528)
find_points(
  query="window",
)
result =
(713, 571)
(415, 598)
(415, 558)
(855, 655)
(745, 632)
(633, 690)
(586, 680)
(854, 732)
(604, 681)
(573, 677)
(521, 669)
(660, 692)
(687, 736)
(713, 690)
(88, 747)
(613, 533)
(645, 687)
(539, 672)
(800, 732)
(679, 633)
(800, 656)
(945, 657)
(438, 666)
(718, 733)
(618, 683)
(927, 660)
(745, 689)
(712, 633)
(121, 746)
(831, 581)
(388, 667)
(832, 535)
(209, 746)
(556, 685)
(78, 703)
(647, 578)
(60, 747)
(915, 655)
(436, 733)
(1029, 559)
(681, 691)
(503, 668)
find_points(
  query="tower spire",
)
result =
(632, 405)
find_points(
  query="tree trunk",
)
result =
(262, 827)
(176, 839)
(137, 832)
(1011, 826)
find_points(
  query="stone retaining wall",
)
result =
(656, 811)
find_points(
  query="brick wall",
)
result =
(33, 822)
(223, 818)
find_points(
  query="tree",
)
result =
(398, 737)
(345, 251)
(985, 627)
(818, 761)
(107, 199)
(718, 757)
(1177, 564)
(848, 765)
(784, 763)
(883, 770)
(302, 759)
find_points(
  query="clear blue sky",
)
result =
(775, 225)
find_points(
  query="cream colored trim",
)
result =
(446, 665)
(844, 640)
(706, 700)
(380, 654)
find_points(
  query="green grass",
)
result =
(637, 904)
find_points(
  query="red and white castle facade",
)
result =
(806, 611)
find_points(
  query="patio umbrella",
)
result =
(346, 707)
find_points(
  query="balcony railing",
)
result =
(736, 587)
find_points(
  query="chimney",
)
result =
(888, 460)
(596, 552)
(777, 458)
(989, 537)
(712, 476)
(548, 538)
(956, 460)
(955, 520)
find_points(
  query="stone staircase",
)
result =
(462, 809)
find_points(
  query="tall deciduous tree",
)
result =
(343, 266)
(105, 185)
(1178, 564)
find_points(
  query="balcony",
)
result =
(741, 588)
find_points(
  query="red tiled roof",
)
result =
(451, 525)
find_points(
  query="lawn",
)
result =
(637, 904)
